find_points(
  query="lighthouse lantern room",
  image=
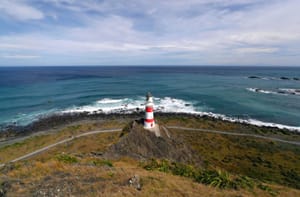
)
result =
(149, 117)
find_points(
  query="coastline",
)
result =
(55, 121)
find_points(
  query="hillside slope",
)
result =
(103, 164)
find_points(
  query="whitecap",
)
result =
(107, 100)
(290, 91)
(261, 91)
(167, 105)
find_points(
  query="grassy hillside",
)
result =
(79, 168)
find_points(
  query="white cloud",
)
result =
(256, 50)
(20, 10)
(202, 31)
(265, 37)
(19, 56)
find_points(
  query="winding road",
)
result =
(169, 127)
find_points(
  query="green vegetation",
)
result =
(66, 158)
(216, 178)
(100, 162)
(268, 189)
(265, 160)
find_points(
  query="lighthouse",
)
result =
(149, 117)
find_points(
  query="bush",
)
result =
(151, 165)
(183, 170)
(216, 178)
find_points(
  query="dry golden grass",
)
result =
(95, 180)
(91, 175)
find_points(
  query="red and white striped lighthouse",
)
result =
(149, 117)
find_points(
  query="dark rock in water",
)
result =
(257, 89)
(284, 78)
(254, 77)
(138, 143)
(187, 104)
(297, 79)
(281, 92)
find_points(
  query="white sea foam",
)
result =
(166, 104)
(107, 100)
(280, 91)
(261, 91)
(127, 105)
(290, 91)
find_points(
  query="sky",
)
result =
(149, 32)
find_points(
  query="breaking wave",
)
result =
(275, 78)
(261, 91)
(166, 104)
(127, 105)
(279, 91)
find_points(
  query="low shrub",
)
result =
(216, 178)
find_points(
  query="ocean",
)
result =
(257, 95)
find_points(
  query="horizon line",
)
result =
(149, 65)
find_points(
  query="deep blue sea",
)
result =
(271, 95)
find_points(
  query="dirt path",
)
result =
(237, 134)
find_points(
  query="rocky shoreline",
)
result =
(58, 120)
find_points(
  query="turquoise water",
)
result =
(28, 93)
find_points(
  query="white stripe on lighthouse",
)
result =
(149, 116)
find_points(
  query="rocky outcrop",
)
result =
(138, 143)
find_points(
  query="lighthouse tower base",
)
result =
(149, 125)
(155, 129)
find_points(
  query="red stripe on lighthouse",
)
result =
(149, 109)
(149, 120)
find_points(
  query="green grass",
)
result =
(99, 162)
(67, 158)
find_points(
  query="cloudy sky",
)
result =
(150, 32)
